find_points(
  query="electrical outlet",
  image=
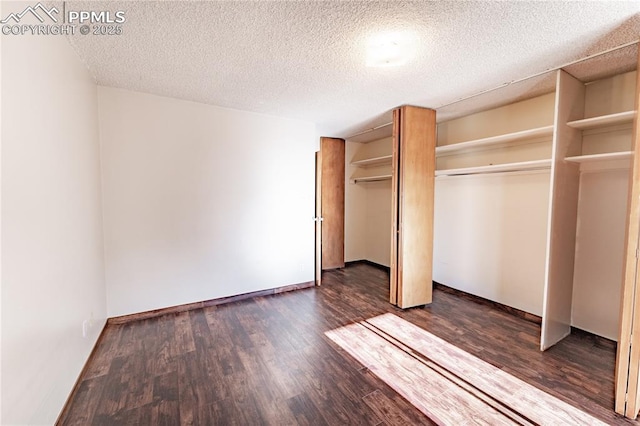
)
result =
(85, 328)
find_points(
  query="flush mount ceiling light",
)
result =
(388, 50)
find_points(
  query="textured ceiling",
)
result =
(306, 59)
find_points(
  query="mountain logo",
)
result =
(33, 10)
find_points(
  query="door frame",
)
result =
(318, 220)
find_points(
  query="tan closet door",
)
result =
(628, 357)
(413, 180)
(332, 202)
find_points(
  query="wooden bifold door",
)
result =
(413, 180)
(329, 218)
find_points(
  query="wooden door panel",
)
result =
(414, 169)
(417, 162)
(332, 202)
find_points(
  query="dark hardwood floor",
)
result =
(268, 361)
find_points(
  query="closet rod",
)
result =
(371, 178)
(604, 52)
(372, 129)
(495, 173)
(497, 168)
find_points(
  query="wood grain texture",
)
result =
(88, 391)
(332, 204)
(432, 393)
(368, 262)
(477, 299)
(212, 302)
(563, 212)
(416, 159)
(267, 360)
(628, 356)
(395, 191)
(507, 395)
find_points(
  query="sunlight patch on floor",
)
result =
(447, 384)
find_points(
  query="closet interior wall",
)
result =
(531, 195)
(368, 200)
(588, 219)
(490, 227)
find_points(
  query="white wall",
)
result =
(202, 202)
(490, 236)
(52, 247)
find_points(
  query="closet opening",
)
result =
(533, 207)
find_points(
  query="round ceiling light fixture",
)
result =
(388, 50)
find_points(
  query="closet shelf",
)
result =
(600, 157)
(371, 178)
(495, 168)
(375, 161)
(602, 121)
(494, 140)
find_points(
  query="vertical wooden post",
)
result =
(395, 189)
(563, 212)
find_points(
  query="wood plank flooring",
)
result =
(270, 361)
